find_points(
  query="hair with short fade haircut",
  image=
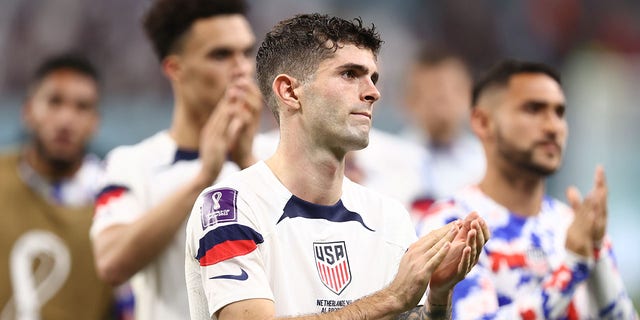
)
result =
(298, 45)
(501, 73)
(67, 61)
(167, 21)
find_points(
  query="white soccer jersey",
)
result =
(75, 191)
(249, 237)
(138, 178)
(390, 164)
(525, 272)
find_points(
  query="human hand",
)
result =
(418, 264)
(461, 258)
(218, 133)
(246, 122)
(590, 216)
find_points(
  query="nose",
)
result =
(370, 93)
(553, 124)
(242, 66)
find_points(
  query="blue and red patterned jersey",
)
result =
(525, 272)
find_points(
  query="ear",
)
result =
(481, 122)
(284, 87)
(171, 67)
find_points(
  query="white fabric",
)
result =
(391, 164)
(146, 173)
(78, 190)
(445, 170)
(284, 267)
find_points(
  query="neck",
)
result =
(186, 126)
(314, 175)
(50, 169)
(520, 194)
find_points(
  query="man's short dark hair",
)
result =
(68, 61)
(167, 21)
(501, 73)
(433, 55)
(298, 45)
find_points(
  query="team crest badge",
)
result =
(332, 263)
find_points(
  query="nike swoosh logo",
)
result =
(242, 276)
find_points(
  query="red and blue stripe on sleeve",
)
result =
(226, 242)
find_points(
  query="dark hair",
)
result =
(500, 73)
(167, 21)
(432, 55)
(297, 46)
(67, 61)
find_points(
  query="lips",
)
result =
(548, 145)
(363, 113)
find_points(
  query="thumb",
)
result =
(574, 197)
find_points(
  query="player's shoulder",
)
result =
(145, 150)
(451, 208)
(554, 207)
(243, 183)
(358, 193)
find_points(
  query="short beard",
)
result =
(522, 159)
(58, 165)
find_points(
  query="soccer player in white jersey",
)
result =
(205, 51)
(546, 260)
(291, 236)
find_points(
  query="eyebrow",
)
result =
(360, 69)
(542, 104)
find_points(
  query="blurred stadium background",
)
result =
(596, 45)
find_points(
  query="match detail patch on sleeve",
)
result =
(219, 206)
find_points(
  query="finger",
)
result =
(466, 262)
(235, 127)
(486, 233)
(471, 243)
(433, 250)
(254, 99)
(218, 122)
(480, 240)
(435, 259)
(574, 197)
(429, 240)
(600, 180)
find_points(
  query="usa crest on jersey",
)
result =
(332, 264)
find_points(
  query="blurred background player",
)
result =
(545, 260)
(437, 102)
(205, 50)
(46, 200)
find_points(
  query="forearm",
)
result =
(428, 312)
(380, 305)
(124, 249)
(606, 286)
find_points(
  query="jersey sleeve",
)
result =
(224, 263)
(121, 191)
(607, 295)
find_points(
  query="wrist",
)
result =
(440, 298)
(391, 302)
(439, 305)
(202, 180)
(246, 162)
